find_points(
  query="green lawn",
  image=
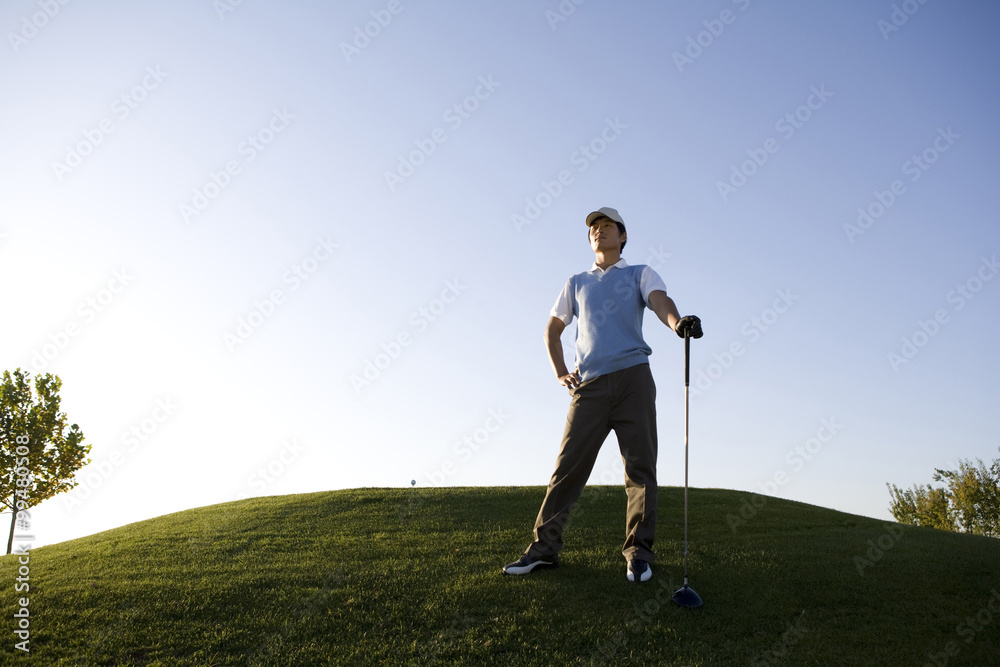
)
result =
(412, 576)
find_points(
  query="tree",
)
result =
(922, 506)
(974, 493)
(969, 503)
(38, 452)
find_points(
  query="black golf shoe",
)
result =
(526, 564)
(638, 570)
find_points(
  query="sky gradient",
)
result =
(276, 248)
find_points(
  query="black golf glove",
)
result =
(689, 325)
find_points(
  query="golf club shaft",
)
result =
(687, 376)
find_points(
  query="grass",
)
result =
(412, 576)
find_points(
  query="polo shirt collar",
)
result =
(620, 264)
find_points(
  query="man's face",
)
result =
(604, 235)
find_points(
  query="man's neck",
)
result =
(604, 259)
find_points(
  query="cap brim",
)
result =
(596, 215)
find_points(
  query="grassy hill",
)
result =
(412, 576)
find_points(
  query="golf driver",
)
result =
(685, 595)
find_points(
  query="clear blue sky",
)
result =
(215, 218)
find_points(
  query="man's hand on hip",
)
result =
(571, 380)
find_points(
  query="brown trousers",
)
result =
(625, 401)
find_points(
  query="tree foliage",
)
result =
(968, 503)
(922, 506)
(30, 418)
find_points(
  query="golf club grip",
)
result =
(687, 360)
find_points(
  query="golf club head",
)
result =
(686, 597)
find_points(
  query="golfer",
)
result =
(611, 388)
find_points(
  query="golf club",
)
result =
(685, 595)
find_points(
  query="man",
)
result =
(611, 388)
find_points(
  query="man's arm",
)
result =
(664, 307)
(553, 333)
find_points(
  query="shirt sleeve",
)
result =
(650, 281)
(563, 308)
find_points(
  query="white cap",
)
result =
(605, 212)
